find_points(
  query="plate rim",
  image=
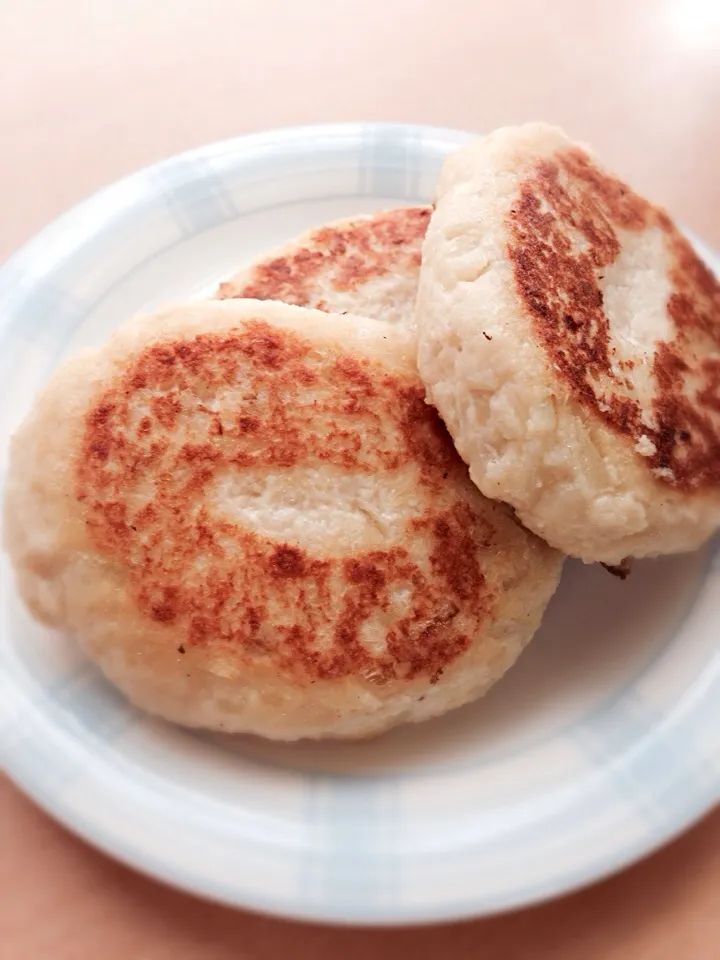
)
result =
(215, 148)
(633, 855)
(93, 209)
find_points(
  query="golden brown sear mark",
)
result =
(563, 234)
(224, 403)
(347, 256)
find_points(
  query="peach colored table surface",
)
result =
(90, 91)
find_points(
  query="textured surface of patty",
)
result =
(366, 265)
(570, 338)
(253, 522)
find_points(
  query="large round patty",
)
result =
(570, 339)
(252, 521)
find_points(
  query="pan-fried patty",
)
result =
(253, 521)
(570, 338)
(367, 265)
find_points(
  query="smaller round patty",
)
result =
(570, 338)
(367, 265)
(253, 522)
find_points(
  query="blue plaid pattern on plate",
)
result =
(603, 742)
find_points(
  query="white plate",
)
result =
(602, 743)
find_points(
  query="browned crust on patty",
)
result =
(342, 256)
(154, 441)
(564, 230)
